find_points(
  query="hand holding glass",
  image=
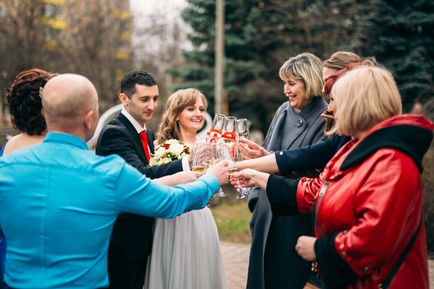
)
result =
(201, 157)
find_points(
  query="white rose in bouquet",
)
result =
(160, 152)
(171, 141)
(168, 151)
(176, 149)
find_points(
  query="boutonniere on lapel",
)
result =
(169, 150)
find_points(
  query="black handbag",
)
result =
(314, 283)
(385, 284)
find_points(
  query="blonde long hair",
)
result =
(176, 103)
(364, 97)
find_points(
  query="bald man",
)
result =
(59, 201)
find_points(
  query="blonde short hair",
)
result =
(364, 97)
(306, 67)
(176, 103)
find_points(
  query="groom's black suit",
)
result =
(131, 239)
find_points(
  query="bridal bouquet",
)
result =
(168, 151)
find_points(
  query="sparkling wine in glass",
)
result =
(232, 170)
(198, 169)
(222, 152)
(201, 154)
(226, 154)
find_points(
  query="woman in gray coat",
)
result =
(274, 264)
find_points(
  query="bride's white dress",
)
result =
(186, 253)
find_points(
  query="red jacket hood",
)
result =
(410, 134)
(402, 119)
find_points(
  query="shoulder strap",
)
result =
(385, 284)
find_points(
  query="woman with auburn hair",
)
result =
(25, 108)
(333, 67)
(338, 61)
(185, 250)
(367, 203)
(296, 123)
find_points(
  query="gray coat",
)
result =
(273, 261)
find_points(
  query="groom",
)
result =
(128, 137)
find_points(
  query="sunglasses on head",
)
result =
(331, 80)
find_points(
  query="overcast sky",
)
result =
(149, 6)
(148, 40)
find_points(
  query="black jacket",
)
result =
(131, 238)
(314, 156)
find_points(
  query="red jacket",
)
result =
(369, 207)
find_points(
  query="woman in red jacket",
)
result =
(367, 203)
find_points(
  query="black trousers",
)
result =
(126, 274)
(283, 267)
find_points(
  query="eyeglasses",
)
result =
(329, 82)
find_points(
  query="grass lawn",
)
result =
(232, 217)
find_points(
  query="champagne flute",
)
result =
(221, 152)
(243, 127)
(225, 154)
(199, 158)
(217, 126)
(230, 129)
(243, 131)
(218, 122)
(203, 156)
(242, 191)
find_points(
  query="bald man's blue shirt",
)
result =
(2, 242)
(58, 204)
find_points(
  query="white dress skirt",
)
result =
(186, 253)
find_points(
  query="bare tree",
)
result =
(22, 41)
(92, 38)
(158, 38)
(98, 43)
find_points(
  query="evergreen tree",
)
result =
(261, 34)
(400, 35)
(198, 72)
(255, 48)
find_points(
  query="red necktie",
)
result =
(144, 138)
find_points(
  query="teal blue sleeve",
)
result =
(139, 195)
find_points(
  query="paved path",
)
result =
(235, 261)
(431, 273)
(236, 258)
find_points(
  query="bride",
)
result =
(185, 251)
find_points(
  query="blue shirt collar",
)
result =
(65, 138)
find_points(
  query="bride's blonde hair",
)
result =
(175, 104)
